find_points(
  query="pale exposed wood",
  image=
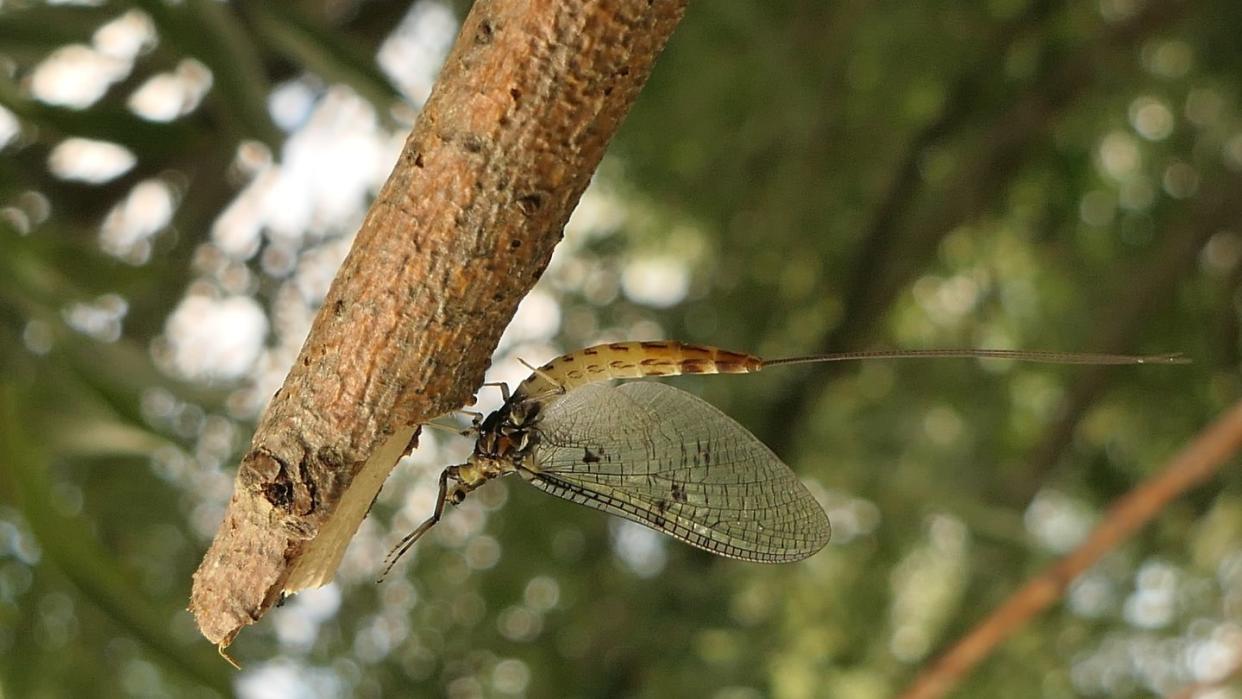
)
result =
(518, 122)
(322, 555)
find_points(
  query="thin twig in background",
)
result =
(1194, 465)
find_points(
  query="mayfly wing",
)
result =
(661, 457)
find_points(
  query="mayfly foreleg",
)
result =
(558, 386)
(476, 419)
(504, 390)
(452, 428)
(410, 539)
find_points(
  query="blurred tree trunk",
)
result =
(527, 100)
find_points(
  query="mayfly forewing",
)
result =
(659, 456)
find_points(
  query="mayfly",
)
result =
(661, 457)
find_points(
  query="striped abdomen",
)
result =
(632, 360)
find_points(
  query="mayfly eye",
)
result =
(458, 497)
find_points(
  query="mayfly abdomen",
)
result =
(633, 360)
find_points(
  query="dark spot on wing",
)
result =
(658, 518)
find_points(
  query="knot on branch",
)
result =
(289, 489)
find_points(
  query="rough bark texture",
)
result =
(518, 122)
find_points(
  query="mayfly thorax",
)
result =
(662, 457)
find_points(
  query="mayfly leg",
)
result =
(556, 387)
(410, 539)
(476, 419)
(467, 432)
(504, 392)
(541, 373)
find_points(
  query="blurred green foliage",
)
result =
(826, 176)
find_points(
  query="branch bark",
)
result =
(1194, 465)
(527, 101)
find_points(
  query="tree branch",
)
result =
(527, 100)
(1193, 466)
